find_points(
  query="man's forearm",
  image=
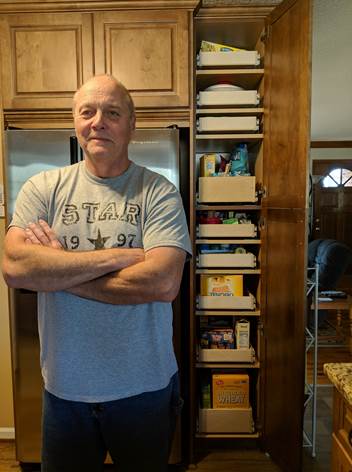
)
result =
(145, 282)
(42, 268)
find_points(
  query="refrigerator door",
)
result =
(30, 152)
(157, 149)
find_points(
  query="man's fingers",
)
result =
(41, 233)
(31, 237)
(36, 232)
(49, 233)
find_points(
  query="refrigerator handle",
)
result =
(73, 150)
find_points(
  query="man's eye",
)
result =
(87, 113)
(113, 113)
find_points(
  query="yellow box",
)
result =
(221, 285)
(207, 165)
(230, 390)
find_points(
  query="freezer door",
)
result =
(30, 152)
(157, 149)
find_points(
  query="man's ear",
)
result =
(133, 122)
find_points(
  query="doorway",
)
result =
(332, 192)
(332, 205)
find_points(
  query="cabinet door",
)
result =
(148, 52)
(340, 460)
(287, 89)
(287, 98)
(44, 58)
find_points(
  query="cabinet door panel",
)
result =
(285, 169)
(148, 52)
(45, 58)
(284, 273)
(287, 101)
(340, 460)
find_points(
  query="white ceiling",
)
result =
(332, 70)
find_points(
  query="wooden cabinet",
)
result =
(341, 461)
(148, 52)
(341, 456)
(278, 158)
(44, 58)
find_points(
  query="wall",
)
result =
(331, 153)
(6, 404)
(331, 70)
(6, 408)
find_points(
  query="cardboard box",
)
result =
(230, 390)
(226, 420)
(242, 328)
(221, 285)
(207, 165)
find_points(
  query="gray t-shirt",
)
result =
(93, 351)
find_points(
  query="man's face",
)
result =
(103, 121)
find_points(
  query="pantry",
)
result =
(244, 121)
(248, 224)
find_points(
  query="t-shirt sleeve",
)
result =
(30, 204)
(165, 220)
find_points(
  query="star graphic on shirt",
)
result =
(99, 242)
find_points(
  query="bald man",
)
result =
(103, 242)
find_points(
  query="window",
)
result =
(338, 178)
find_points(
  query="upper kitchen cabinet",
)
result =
(148, 51)
(44, 58)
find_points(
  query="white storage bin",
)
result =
(245, 230)
(227, 260)
(226, 97)
(246, 302)
(227, 123)
(228, 58)
(239, 189)
(226, 420)
(227, 355)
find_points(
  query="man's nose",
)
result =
(98, 119)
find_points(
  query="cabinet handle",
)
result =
(350, 437)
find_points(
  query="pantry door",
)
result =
(285, 210)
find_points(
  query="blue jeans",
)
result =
(136, 431)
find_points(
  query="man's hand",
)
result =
(41, 233)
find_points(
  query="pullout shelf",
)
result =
(247, 78)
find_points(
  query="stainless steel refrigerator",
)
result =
(29, 152)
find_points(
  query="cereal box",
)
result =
(230, 390)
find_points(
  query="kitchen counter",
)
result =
(340, 374)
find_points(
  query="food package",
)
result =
(230, 390)
(216, 47)
(207, 165)
(242, 329)
(221, 285)
(217, 338)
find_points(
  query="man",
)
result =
(105, 316)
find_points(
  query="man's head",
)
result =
(104, 119)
